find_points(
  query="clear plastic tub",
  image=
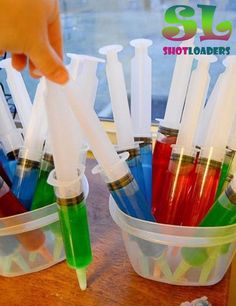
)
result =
(21, 234)
(188, 256)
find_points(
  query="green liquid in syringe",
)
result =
(225, 171)
(75, 232)
(223, 212)
(44, 193)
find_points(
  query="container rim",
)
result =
(172, 234)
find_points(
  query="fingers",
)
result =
(34, 72)
(19, 61)
(48, 62)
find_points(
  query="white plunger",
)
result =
(36, 132)
(178, 88)
(119, 100)
(141, 88)
(195, 100)
(222, 117)
(19, 92)
(99, 142)
(10, 136)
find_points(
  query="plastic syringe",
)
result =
(86, 74)
(195, 100)
(74, 65)
(27, 170)
(229, 163)
(223, 211)
(169, 126)
(211, 157)
(118, 94)
(178, 88)
(67, 183)
(206, 115)
(10, 137)
(141, 88)
(19, 92)
(141, 107)
(121, 183)
(181, 166)
(121, 113)
(44, 193)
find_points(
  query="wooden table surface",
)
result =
(111, 279)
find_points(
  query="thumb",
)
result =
(48, 62)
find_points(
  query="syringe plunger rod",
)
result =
(195, 100)
(99, 142)
(178, 88)
(223, 113)
(119, 100)
(18, 91)
(62, 133)
(141, 88)
(10, 136)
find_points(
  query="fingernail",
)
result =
(61, 76)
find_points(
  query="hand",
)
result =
(31, 31)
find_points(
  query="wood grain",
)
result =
(111, 279)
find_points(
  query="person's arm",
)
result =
(31, 31)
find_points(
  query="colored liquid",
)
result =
(222, 213)
(160, 162)
(201, 196)
(75, 232)
(12, 167)
(132, 201)
(10, 206)
(176, 186)
(24, 184)
(8, 165)
(224, 173)
(44, 193)
(146, 160)
(136, 169)
(4, 175)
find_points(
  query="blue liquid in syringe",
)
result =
(8, 163)
(136, 169)
(131, 201)
(25, 181)
(146, 159)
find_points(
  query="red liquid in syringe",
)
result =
(161, 157)
(10, 206)
(202, 194)
(175, 188)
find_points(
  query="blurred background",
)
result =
(90, 24)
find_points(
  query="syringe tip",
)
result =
(82, 279)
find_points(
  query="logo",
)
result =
(183, 16)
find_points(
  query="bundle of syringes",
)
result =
(188, 180)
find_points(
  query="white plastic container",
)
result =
(156, 250)
(15, 259)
